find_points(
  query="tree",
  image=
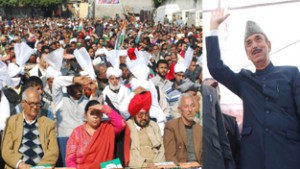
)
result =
(158, 3)
(35, 3)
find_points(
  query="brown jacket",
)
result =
(175, 141)
(136, 160)
(12, 139)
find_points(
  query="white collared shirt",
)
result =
(27, 120)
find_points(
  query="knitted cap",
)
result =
(139, 102)
(252, 28)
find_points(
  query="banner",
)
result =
(101, 2)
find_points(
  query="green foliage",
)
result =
(158, 3)
(35, 3)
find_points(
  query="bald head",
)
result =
(30, 92)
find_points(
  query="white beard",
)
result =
(114, 88)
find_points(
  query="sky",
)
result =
(279, 19)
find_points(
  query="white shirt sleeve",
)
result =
(123, 108)
(213, 32)
(57, 88)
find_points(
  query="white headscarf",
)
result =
(54, 59)
(9, 78)
(85, 62)
(23, 53)
(139, 69)
(113, 56)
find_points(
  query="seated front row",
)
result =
(93, 142)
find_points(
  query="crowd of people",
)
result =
(116, 88)
(132, 90)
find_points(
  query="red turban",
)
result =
(139, 102)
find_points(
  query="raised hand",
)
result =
(139, 90)
(102, 108)
(217, 17)
(96, 107)
(83, 80)
(94, 87)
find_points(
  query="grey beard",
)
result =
(114, 88)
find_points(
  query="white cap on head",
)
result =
(14, 70)
(73, 40)
(87, 38)
(7, 78)
(113, 72)
(190, 33)
(15, 81)
(135, 83)
(100, 51)
(179, 67)
(97, 61)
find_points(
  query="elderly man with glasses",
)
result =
(29, 140)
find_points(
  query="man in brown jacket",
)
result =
(183, 136)
(29, 140)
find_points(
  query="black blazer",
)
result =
(234, 137)
(216, 148)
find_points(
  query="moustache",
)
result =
(255, 51)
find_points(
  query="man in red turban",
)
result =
(146, 142)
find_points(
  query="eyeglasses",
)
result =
(32, 104)
(143, 114)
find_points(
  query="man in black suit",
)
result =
(230, 125)
(216, 147)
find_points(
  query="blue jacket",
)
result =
(271, 100)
